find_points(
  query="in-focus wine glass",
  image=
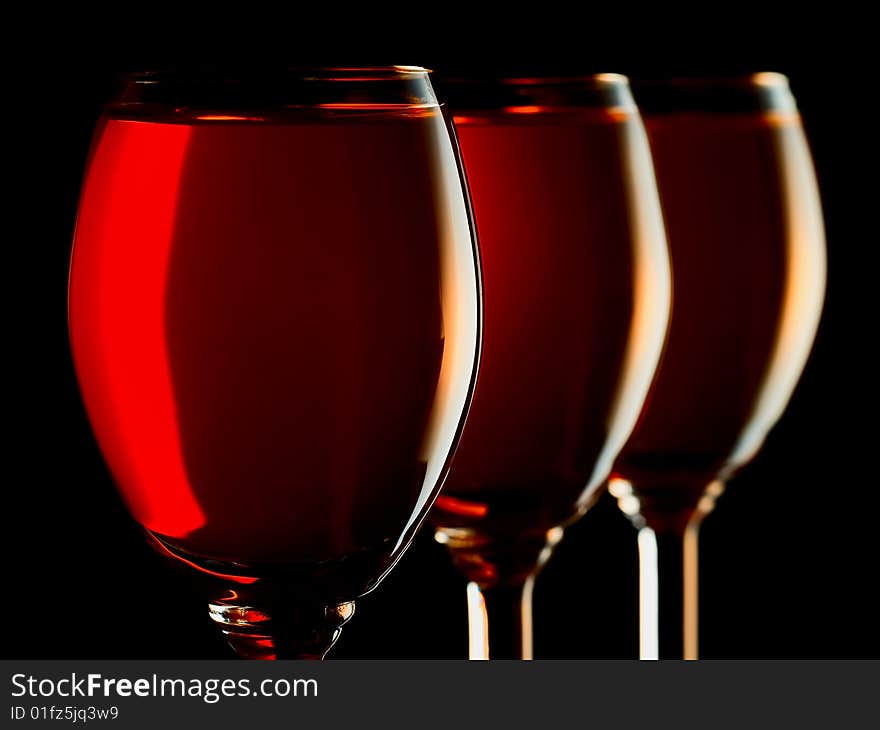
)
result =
(748, 257)
(576, 298)
(274, 313)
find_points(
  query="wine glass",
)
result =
(274, 313)
(576, 298)
(748, 257)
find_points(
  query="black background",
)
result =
(789, 559)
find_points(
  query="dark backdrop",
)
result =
(789, 559)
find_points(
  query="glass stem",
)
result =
(668, 577)
(500, 621)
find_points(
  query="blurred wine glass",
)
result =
(576, 298)
(748, 257)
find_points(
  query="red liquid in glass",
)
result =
(745, 236)
(274, 329)
(575, 295)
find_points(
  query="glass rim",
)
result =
(761, 91)
(176, 93)
(151, 76)
(302, 73)
(533, 94)
(597, 80)
(755, 80)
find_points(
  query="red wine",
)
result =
(274, 325)
(575, 285)
(747, 246)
